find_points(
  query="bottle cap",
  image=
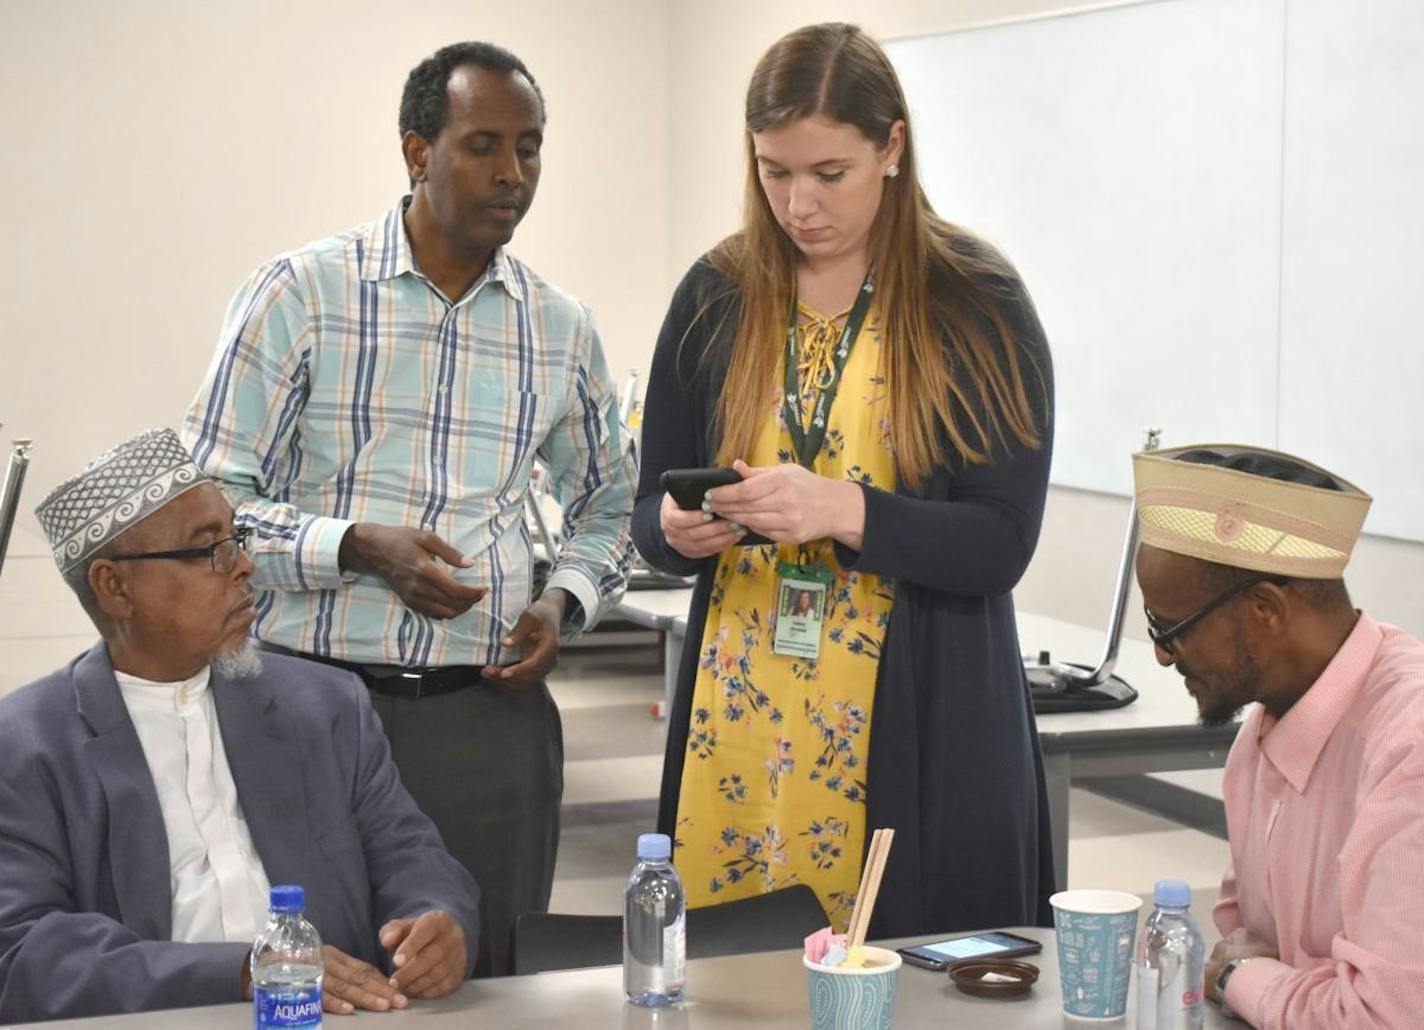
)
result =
(1173, 893)
(654, 847)
(288, 898)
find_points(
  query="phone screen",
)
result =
(970, 947)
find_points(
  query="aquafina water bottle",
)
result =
(1169, 963)
(654, 926)
(286, 966)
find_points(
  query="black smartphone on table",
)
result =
(992, 944)
(687, 487)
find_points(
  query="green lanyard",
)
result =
(808, 445)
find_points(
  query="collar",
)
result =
(387, 254)
(1293, 744)
(150, 695)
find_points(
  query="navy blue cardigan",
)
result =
(954, 762)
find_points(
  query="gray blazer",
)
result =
(85, 901)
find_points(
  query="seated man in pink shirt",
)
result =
(1322, 909)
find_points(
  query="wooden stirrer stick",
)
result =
(872, 887)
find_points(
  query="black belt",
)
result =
(395, 681)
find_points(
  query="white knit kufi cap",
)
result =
(115, 491)
(1249, 508)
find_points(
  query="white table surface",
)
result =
(738, 992)
(655, 609)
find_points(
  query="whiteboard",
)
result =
(1352, 324)
(1136, 164)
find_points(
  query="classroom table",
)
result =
(666, 612)
(738, 992)
(1158, 732)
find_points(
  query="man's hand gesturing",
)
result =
(414, 563)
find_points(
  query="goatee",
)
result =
(241, 664)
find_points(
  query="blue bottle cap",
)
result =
(654, 847)
(288, 898)
(1173, 893)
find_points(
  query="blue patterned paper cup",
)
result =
(1095, 930)
(854, 999)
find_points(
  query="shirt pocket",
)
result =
(507, 425)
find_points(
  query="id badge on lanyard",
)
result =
(802, 596)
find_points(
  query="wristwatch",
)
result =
(1221, 979)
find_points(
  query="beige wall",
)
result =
(157, 150)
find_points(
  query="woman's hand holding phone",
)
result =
(692, 536)
(790, 504)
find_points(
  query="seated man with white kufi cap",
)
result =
(151, 790)
(1322, 909)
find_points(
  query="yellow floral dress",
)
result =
(773, 787)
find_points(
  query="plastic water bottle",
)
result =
(286, 966)
(1169, 963)
(654, 926)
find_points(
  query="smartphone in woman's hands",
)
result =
(688, 486)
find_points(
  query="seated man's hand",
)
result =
(1241, 943)
(350, 984)
(428, 953)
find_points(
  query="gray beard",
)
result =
(242, 664)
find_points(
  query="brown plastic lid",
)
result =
(1007, 978)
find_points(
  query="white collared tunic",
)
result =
(219, 885)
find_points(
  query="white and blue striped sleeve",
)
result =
(593, 468)
(240, 430)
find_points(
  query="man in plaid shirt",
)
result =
(374, 410)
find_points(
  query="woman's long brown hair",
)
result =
(931, 278)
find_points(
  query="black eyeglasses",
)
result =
(1164, 638)
(222, 553)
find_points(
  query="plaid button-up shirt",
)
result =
(346, 388)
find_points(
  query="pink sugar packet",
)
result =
(818, 943)
(822, 942)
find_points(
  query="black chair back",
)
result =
(767, 922)
(545, 941)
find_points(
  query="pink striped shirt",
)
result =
(1325, 811)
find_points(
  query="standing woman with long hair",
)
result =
(879, 379)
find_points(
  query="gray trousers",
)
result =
(488, 769)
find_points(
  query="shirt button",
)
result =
(442, 388)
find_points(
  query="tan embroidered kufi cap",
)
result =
(1250, 508)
